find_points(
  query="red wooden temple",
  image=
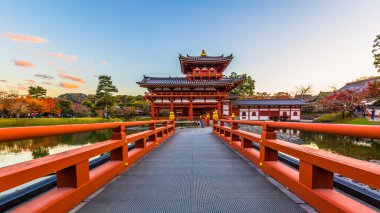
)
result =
(201, 91)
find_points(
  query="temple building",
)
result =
(202, 90)
(268, 109)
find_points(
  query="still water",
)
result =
(19, 151)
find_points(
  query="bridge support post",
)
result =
(315, 177)
(121, 153)
(74, 176)
(152, 138)
(234, 127)
(266, 153)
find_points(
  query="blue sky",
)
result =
(281, 44)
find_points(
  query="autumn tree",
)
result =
(37, 91)
(245, 89)
(376, 52)
(104, 93)
(262, 95)
(79, 110)
(281, 95)
(342, 101)
(373, 89)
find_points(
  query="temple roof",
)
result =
(270, 102)
(206, 58)
(183, 81)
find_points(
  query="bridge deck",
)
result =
(192, 172)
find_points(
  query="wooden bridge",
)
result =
(218, 169)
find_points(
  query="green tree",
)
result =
(37, 91)
(376, 52)
(65, 106)
(104, 93)
(245, 89)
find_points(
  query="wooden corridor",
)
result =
(193, 171)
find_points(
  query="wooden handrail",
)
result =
(74, 179)
(314, 180)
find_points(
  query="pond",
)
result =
(19, 151)
(359, 148)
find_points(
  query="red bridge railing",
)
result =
(314, 180)
(75, 181)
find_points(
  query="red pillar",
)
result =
(171, 105)
(219, 111)
(258, 113)
(191, 118)
(152, 108)
(230, 108)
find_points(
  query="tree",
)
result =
(65, 106)
(262, 95)
(376, 52)
(80, 111)
(281, 95)
(74, 97)
(104, 93)
(245, 89)
(373, 89)
(37, 92)
(304, 90)
(342, 101)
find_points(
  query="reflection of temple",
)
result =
(201, 91)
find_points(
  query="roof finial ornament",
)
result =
(203, 53)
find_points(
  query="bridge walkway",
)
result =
(194, 171)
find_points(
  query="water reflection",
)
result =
(18, 151)
(360, 148)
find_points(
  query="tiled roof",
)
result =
(269, 102)
(206, 58)
(359, 86)
(183, 81)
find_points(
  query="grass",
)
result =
(13, 122)
(337, 118)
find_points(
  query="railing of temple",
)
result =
(184, 94)
(314, 180)
(75, 181)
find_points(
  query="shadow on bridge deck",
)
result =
(192, 172)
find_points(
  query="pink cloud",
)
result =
(95, 76)
(104, 62)
(22, 87)
(71, 58)
(47, 83)
(25, 38)
(68, 85)
(30, 81)
(73, 78)
(24, 63)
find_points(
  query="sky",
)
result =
(64, 45)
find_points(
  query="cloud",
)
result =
(30, 81)
(73, 78)
(23, 63)
(22, 87)
(4, 81)
(95, 76)
(68, 85)
(25, 38)
(44, 76)
(47, 83)
(71, 58)
(104, 62)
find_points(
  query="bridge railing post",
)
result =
(221, 130)
(74, 176)
(266, 153)
(153, 137)
(121, 153)
(315, 177)
(234, 127)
